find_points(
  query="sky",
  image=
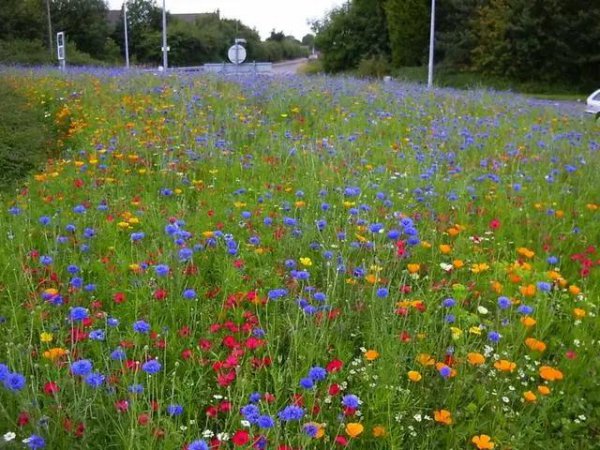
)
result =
(290, 16)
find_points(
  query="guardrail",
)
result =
(228, 68)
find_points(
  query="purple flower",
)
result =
(317, 373)
(151, 367)
(141, 327)
(351, 401)
(14, 382)
(78, 313)
(81, 367)
(34, 441)
(198, 445)
(291, 412)
(174, 410)
(94, 379)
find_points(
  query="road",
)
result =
(289, 67)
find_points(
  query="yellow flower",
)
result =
(483, 442)
(523, 251)
(371, 355)
(443, 416)
(478, 268)
(46, 337)
(529, 396)
(414, 376)
(458, 263)
(354, 429)
(307, 262)
(579, 313)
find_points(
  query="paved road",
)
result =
(289, 67)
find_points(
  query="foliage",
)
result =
(25, 134)
(552, 42)
(84, 23)
(354, 31)
(408, 24)
(375, 66)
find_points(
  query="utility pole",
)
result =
(164, 36)
(126, 38)
(50, 40)
(431, 35)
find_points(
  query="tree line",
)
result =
(28, 30)
(554, 41)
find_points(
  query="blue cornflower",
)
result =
(350, 401)
(138, 236)
(307, 383)
(494, 336)
(289, 221)
(78, 313)
(45, 220)
(4, 371)
(319, 296)
(552, 260)
(70, 228)
(14, 381)
(382, 292)
(94, 379)
(445, 371)
(151, 367)
(251, 412)
(141, 327)
(275, 294)
(525, 309)
(89, 287)
(112, 322)
(46, 260)
(543, 286)
(162, 270)
(118, 354)
(198, 445)
(504, 302)
(291, 412)
(15, 211)
(136, 389)
(449, 302)
(254, 397)
(81, 367)
(76, 282)
(317, 373)
(72, 269)
(310, 429)
(265, 422)
(34, 441)
(185, 254)
(258, 332)
(450, 318)
(97, 335)
(189, 294)
(89, 233)
(174, 410)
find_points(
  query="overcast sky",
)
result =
(289, 16)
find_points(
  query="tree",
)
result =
(144, 27)
(23, 19)
(84, 23)
(408, 23)
(354, 31)
(308, 40)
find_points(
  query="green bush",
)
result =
(25, 136)
(373, 67)
(34, 53)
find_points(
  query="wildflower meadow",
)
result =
(299, 263)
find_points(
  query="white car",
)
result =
(593, 104)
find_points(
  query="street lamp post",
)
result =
(126, 34)
(49, 27)
(164, 36)
(431, 35)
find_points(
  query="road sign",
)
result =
(60, 45)
(237, 54)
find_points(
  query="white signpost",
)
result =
(237, 54)
(60, 49)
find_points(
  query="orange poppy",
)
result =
(483, 442)
(443, 416)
